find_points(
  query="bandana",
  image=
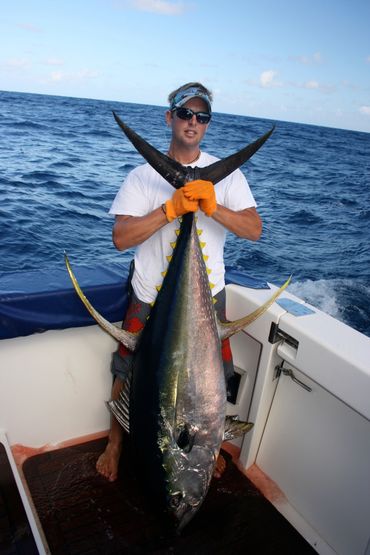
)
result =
(192, 92)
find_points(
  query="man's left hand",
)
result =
(204, 191)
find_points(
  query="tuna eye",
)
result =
(175, 500)
(183, 439)
(186, 434)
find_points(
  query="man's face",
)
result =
(188, 133)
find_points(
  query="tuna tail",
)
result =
(235, 427)
(130, 340)
(172, 171)
(222, 168)
(227, 329)
(177, 174)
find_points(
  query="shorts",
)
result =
(134, 321)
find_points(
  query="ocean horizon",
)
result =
(64, 158)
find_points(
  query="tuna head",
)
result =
(188, 478)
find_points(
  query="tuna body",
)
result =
(178, 396)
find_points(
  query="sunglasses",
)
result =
(187, 114)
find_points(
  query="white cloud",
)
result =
(267, 79)
(56, 76)
(365, 110)
(313, 59)
(72, 77)
(314, 85)
(87, 74)
(53, 62)
(311, 85)
(17, 63)
(164, 7)
(29, 27)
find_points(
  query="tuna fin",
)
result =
(222, 168)
(176, 173)
(120, 407)
(172, 171)
(235, 427)
(227, 329)
(130, 340)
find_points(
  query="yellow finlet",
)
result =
(158, 287)
(202, 245)
(163, 274)
(199, 231)
(205, 257)
(173, 244)
(169, 258)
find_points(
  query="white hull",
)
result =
(309, 451)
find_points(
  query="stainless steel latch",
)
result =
(279, 369)
(276, 334)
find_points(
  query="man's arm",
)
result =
(244, 223)
(129, 231)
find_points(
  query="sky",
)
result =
(305, 61)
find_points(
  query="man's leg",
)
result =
(136, 316)
(107, 463)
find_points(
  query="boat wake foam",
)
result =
(344, 299)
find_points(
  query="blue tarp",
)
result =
(40, 300)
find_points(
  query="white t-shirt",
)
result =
(143, 191)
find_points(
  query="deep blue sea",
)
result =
(62, 161)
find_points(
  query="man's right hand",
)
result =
(179, 205)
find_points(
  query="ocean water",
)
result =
(62, 161)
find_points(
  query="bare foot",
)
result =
(220, 467)
(107, 463)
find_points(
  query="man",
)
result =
(147, 210)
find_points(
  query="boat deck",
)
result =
(82, 513)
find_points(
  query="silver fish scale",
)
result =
(196, 369)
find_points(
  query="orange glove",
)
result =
(203, 191)
(179, 205)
